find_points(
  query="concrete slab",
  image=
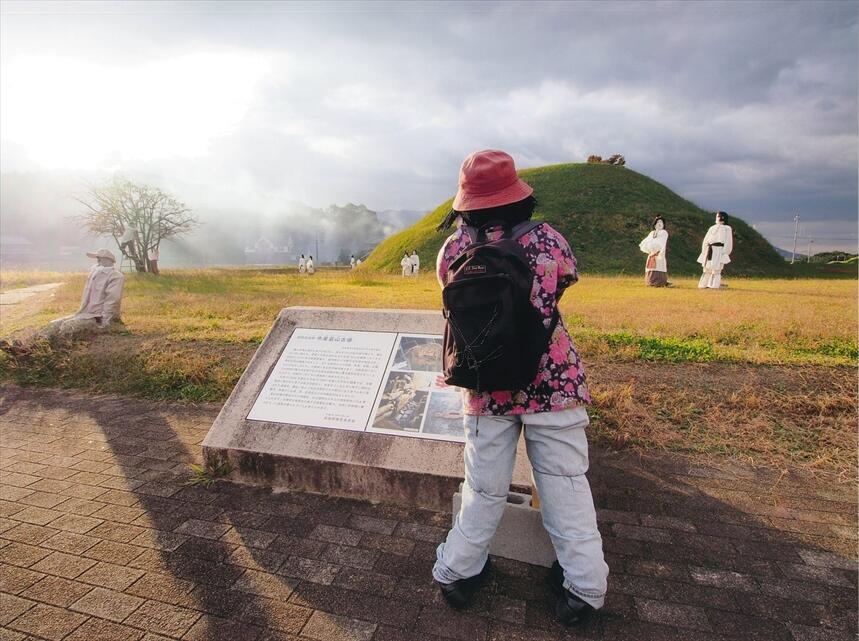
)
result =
(520, 535)
(395, 469)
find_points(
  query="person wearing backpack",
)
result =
(506, 346)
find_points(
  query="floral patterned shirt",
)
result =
(560, 382)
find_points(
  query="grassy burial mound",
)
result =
(604, 211)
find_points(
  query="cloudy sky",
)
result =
(743, 106)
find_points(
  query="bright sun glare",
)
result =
(72, 114)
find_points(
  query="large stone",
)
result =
(520, 535)
(414, 472)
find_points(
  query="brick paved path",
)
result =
(100, 540)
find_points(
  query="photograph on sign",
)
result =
(403, 401)
(414, 400)
(444, 416)
(418, 353)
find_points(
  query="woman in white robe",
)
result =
(406, 264)
(655, 245)
(416, 263)
(310, 267)
(302, 264)
(715, 252)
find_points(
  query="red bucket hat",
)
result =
(488, 179)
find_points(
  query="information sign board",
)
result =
(382, 382)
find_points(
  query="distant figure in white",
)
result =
(416, 263)
(655, 245)
(310, 268)
(302, 264)
(126, 241)
(153, 255)
(715, 252)
(406, 264)
(352, 263)
(101, 299)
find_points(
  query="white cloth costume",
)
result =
(416, 263)
(102, 295)
(656, 242)
(406, 264)
(302, 265)
(718, 243)
(310, 268)
(100, 303)
(352, 262)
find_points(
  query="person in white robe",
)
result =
(406, 264)
(655, 245)
(302, 264)
(352, 261)
(153, 256)
(310, 268)
(101, 299)
(715, 252)
(415, 261)
(126, 241)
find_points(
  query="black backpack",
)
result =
(494, 337)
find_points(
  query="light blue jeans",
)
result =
(558, 450)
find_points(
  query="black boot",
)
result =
(569, 609)
(459, 593)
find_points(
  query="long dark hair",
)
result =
(723, 217)
(508, 215)
(653, 224)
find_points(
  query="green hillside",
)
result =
(604, 211)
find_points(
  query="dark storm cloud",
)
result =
(749, 107)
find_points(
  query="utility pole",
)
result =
(795, 231)
(319, 260)
(810, 241)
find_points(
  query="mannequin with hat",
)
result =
(101, 299)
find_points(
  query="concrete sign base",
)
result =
(381, 466)
(520, 535)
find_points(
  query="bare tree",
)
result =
(138, 217)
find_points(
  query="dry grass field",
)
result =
(796, 322)
(763, 370)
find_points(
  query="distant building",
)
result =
(16, 250)
(265, 252)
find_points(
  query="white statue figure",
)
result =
(310, 268)
(126, 241)
(101, 298)
(655, 245)
(416, 263)
(302, 264)
(715, 252)
(406, 264)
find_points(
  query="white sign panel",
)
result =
(369, 381)
(325, 378)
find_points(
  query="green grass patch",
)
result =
(671, 350)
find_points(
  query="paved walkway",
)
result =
(17, 305)
(100, 540)
(15, 296)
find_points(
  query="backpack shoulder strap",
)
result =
(471, 232)
(523, 228)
